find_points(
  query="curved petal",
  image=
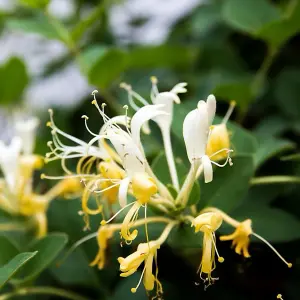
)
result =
(166, 99)
(141, 116)
(123, 189)
(195, 132)
(211, 108)
(207, 168)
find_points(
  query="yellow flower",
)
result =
(208, 223)
(111, 171)
(219, 139)
(145, 253)
(143, 187)
(240, 238)
(104, 234)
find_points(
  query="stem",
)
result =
(274, 179)
(262, 71)
(186, 189)
(225, 217)
(165, 233)
(170, 157)
(43, 291)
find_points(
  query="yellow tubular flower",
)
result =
(143, 187)
(104, 234)
(240, 238)
(28, 164)
(146, 252)
(110, 170)
(219, 138)
(208, 223)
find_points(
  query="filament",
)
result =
(276, 252)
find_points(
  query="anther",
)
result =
(48, 124)
(103, 222)
(153, 79)
(125, 106)
(94, 92)
(49, 143)
(85, 117)
(221, 259)
(43, 176)
(133, 290)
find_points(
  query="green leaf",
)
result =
(8, 270)
(233, 86)
(8, 250)
(13, 80)
(162, 56)
(184, 237)
(206, 18)
(287, 90)
(35, 3)
(250, 16)
(230, 184)
(103, 65)
(274, 224)
(279, 31)
(269, 147)
(50, 29)
(48, 248)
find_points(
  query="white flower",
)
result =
(9, 161)
(196, 129)
(26, 130)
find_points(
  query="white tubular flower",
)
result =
(9, 161)
(26, 130)
(196, 130)
(164, 122)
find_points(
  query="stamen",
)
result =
(276, 252)
(228, 159)
(103, 222)
(133, 290)
(154, 90)
(44, 176)
(229, 112)
(132, 94)
(86, 125)
(220, 258)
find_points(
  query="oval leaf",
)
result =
(7, 271)
(48, 248)
(230, 184)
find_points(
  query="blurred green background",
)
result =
(55, 53)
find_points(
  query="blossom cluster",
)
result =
(114, 172)
(17, 195)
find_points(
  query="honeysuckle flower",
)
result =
(219, 138)
(36, 205)
(147, 253)
(241, 236)
(26, 130)
(196, 130)
(9, 161)
(208, 223)
(164, 121)
(105, 232)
